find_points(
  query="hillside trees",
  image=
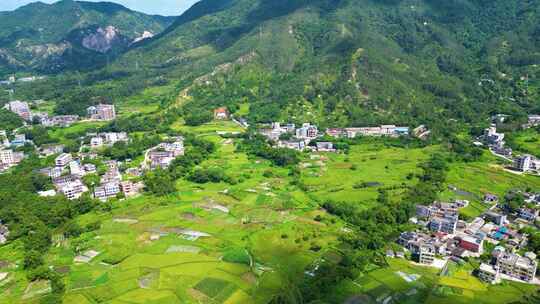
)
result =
(9, 120)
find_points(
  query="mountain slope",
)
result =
(344, 62)
(50, 38)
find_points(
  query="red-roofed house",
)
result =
(221, 113)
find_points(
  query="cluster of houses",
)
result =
(444, 237)
(508, 266)
(13, 79)
(162, 155)
(495, 142)
(100, 112)
(384, 130)
(111, 184)
(290, 137)
(68, 172)
(20, 108)
(8, 157)
(67, 177)
(98, 140)
(4, 233)
(533, 121)
(299, 138)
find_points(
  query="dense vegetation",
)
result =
(34, 219)
(359, 62)
(9, 120)
(162, 182)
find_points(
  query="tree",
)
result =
(9, 120)
(159, 182)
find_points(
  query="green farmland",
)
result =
(238, 243)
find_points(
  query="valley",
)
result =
(272, 152)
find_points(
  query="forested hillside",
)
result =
(70, 34)
(353, 62)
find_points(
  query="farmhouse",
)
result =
(104, 112)
(472, 243)
(516, 266)
(163, 154)
(130, 189)
(488, 274)
(421, 132)
(61, 120)
(107, 190)
(276, 130)
(528, 214)
(108, 139)
(325, 147)
(336, 132)
(491, 198)
(48, 150)
(307, 131)
(63, 160)
(491, 136)
(72, 190)
(20, 108)
(221, 113)
(298, 145)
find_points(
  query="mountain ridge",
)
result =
(421, 61)
(54, 25)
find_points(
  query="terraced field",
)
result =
(236, 243)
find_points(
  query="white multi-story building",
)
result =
(426, 254)
(6, 157)
(102, 112)
(446, 225)
(96, 142)
(516, 266)
(307, 131)
(72, 189)
(76, 169)
(63, 160)
(114, 137)
(492, 137)
(488, 274)
(20, 108)
(107, 190)
(130, 189)
(523, 163)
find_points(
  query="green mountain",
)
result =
(70, 34)
(352, 62)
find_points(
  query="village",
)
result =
(443, 237)
(299, 138)
(67, 174)
(496, 144)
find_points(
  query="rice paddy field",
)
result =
(223, 243)
(403, 282)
